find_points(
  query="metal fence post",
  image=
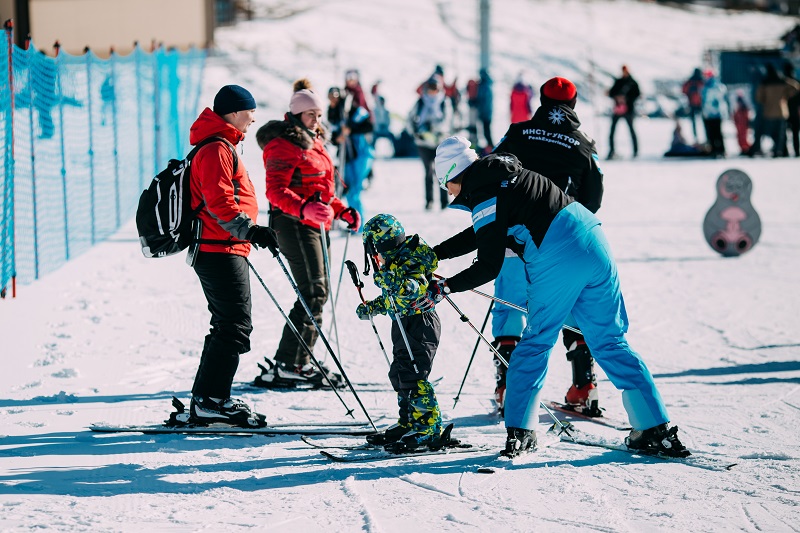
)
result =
(60, 87)
(8, 196)
(31, 52)
(138, 54)
(112, 61)
(156, 110)
(87, 51)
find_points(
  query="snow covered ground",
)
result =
(112, 336)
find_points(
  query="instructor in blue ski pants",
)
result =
(573, 270)
(569, 268)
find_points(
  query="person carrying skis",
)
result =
(300, 190)
(559, 150)
(403, 269)
(229, 214)
(569, 267)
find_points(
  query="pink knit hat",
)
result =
(303, 100)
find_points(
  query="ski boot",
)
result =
(279, 375)
(424, 418)
(582, 396)
(391, 435)
(658, 440)
(519, 441)
(505, 346)
(205, 410)
(394, 432)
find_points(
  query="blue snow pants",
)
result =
(356, 171)
(506, 321)
(573, 270)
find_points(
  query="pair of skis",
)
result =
(348, 452)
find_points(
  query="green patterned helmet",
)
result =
(383, 233)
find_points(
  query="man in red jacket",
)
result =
(228, 226)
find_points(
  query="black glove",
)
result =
(441, 254)
(263, 237)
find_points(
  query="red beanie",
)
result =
(559, 90)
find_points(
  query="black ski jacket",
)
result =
(501, 195)
(551, 144)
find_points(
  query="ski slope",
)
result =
(112, 336)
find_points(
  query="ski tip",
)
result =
(485, 470)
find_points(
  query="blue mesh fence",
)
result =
(82, 136)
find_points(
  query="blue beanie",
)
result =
(233, 98)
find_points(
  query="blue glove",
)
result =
(364, 312)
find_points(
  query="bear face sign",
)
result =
(732, 226)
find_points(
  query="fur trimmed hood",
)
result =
(285, 130)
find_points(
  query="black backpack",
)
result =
(165, 215)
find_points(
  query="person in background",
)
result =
(520, 103)
(358, 147)
(680, 147)
(472, 113)
(485, 105)
(793, 107)
(741, 119)
(428, 121)
(773, 94)
(568, 157)
(300, 190)
(714, 109)
(335, 121)
(693, 89)
(569, 269)
(624, 92)
(229, 213)
(382, 116)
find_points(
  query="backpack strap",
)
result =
(210, 140)
(196, 210)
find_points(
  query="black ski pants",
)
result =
(714, 135)
(634, 141)
(226, 284)
(428, 155)
(423, 331)
(302, 247)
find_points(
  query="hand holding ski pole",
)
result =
(353, 269)
(509, 304)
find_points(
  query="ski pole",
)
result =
(512, 306)
(322, 337)
(341, 270)
(403, 334)
(299, 338)
(399, 323)
(339, 284)
(327, 265)
(464, 318)
(474, 351)
(360, 285)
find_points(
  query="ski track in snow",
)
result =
(348, 487)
